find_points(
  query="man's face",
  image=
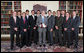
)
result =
(74, 13)
(38, 12)
(54, 13)
(67, 14)
(58, 12)
(62, 12)
(19, 13)
(14, 14)
(32, 12)
(27, 13)
(49, 13)
(43, 13)
(23, 15)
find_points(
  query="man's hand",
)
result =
(65, 29)
(56, 27)
(25, 30)
(45, 26)
(34, 28)
(40, 25)
(51, 30)
(15, 28)
(72, 29)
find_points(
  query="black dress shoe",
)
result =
(44, 45)
(40, 45)
(50, 44)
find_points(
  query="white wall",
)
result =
(51, 5)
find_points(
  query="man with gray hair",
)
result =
(42, 24)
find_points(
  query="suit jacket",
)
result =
(75, 23)
(67, 24)
(58, 22)
(32, 21)
(51, 22)
(12, 23)
(28, 21)
(19, 22)
(39, 21)
(22, 25)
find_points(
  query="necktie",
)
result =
(27, 16)
(66, 19)
(24, 20)
(15, 19)
(42, 19)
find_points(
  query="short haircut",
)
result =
(19, 11)
(49, 10)
(68, 13)
(23, 13)
(58, 10)
(27, 10)
(32, 10)
(38, 10)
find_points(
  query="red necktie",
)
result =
(24, 21)
(66, 20)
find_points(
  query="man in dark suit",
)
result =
(14, 25)
(24, 26)
(28, 30)
(58, 28)
(19, 29)
(67, 30)
(63, 17)
(54, 13)
(51, 22)
(75, 28)
(33, 27)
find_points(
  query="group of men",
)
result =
(33, 28)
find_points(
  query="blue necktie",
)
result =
(43, 19)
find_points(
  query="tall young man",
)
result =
(58, 29)
(14, 25)
(51, 22)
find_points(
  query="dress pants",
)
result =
(67, 38)
(58, 37)
(75, 38)
(24, 38)
(12, 33)
(42, 36)
(28, 37)
(33, 36)
(50, 37)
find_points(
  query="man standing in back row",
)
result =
(51, 22)
(75, 28)
(58, 29)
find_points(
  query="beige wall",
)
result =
(51, 5)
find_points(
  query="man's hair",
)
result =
(32, 10)
(49, 10)
(38, 10)
(58, 10)
(68, 13)
(23, 13)
(19, 11)
(27, 10)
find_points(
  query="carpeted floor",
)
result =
(5, 47)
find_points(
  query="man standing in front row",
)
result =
(51, 22)
(42, 24)
(14, 25)
(33, 27)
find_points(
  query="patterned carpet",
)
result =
(5, 47)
